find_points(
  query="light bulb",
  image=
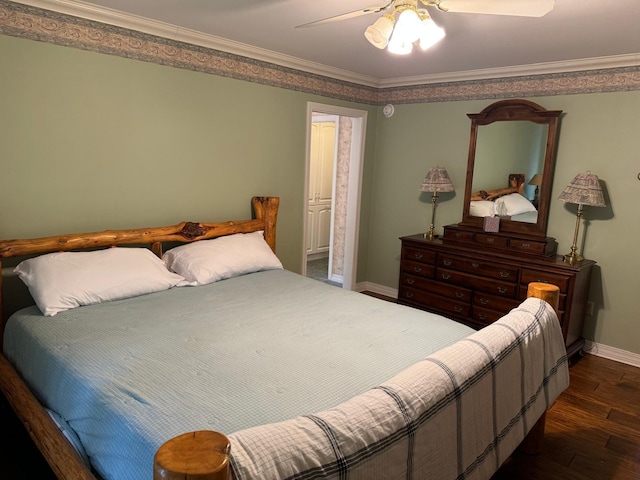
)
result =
(430, 33)
(399, 44)
(409, 24)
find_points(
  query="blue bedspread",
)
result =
(261, 348)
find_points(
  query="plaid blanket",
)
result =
(457, 414)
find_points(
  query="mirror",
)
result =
(512, 152)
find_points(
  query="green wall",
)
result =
(599, 132)
(91, 141)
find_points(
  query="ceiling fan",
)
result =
(414, 25)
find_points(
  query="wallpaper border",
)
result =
(33, 23)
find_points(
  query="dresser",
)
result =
(477, 286)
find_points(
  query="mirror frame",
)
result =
(506, 111)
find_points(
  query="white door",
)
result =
(322, 158)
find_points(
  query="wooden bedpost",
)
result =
(266, 209)
(202, 455)
(532, 443)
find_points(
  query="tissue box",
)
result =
(491, 224)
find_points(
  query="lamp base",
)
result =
(429, 236)
(573, 258)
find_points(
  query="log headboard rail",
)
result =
(264, 217)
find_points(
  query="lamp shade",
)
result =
(536, 180)
(378, 34)
(584, 189)
(437, 180)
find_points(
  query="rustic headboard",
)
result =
(264, 217)
(516, 185)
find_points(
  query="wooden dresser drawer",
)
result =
(431, 286)
(528, 246)
(527, 276)
(474, 282)
(418, 255)
(421, 269)
(475, 267)
(459, 235)
(494, 302)
(491, 240)
(431, 301)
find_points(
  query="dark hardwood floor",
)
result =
(592, 432)
(593, 429)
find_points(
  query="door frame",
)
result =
(354, 186)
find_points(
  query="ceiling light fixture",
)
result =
(413, 25)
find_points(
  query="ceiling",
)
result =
(575, 35)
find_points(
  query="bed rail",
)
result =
(205, 454)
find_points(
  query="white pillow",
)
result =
(482, 208)
(207, 261)
(513, 204)
(64, 280)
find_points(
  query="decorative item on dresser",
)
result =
(474, 273)
(436, 180)
(477, 287)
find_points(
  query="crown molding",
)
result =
(156, 28)
(549, 68)
(78, 8)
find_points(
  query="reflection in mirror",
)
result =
(502, 149)
(511, 155)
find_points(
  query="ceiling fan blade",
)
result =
(345, 16)
(519, 8)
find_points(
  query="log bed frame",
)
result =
(516, 185)
(201, 454)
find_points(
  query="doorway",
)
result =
(334, 158)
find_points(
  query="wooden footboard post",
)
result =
(532, 443)
(202, 455)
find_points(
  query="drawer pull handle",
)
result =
(408, 294)
(459, 295)
(482, 316)
(418, 255)
(475, 265)
(457, 309)
(447, 262)
(458, 235)
(446, 276)
(505, 274)
(410, 281)
(484, 301)
(525, 245)
(502, 289)
(490, 240)
(417, 269)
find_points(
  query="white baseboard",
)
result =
(376, 288)
(612, 353)
(593, 348)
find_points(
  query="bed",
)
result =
(507, 202)
(261, 373)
